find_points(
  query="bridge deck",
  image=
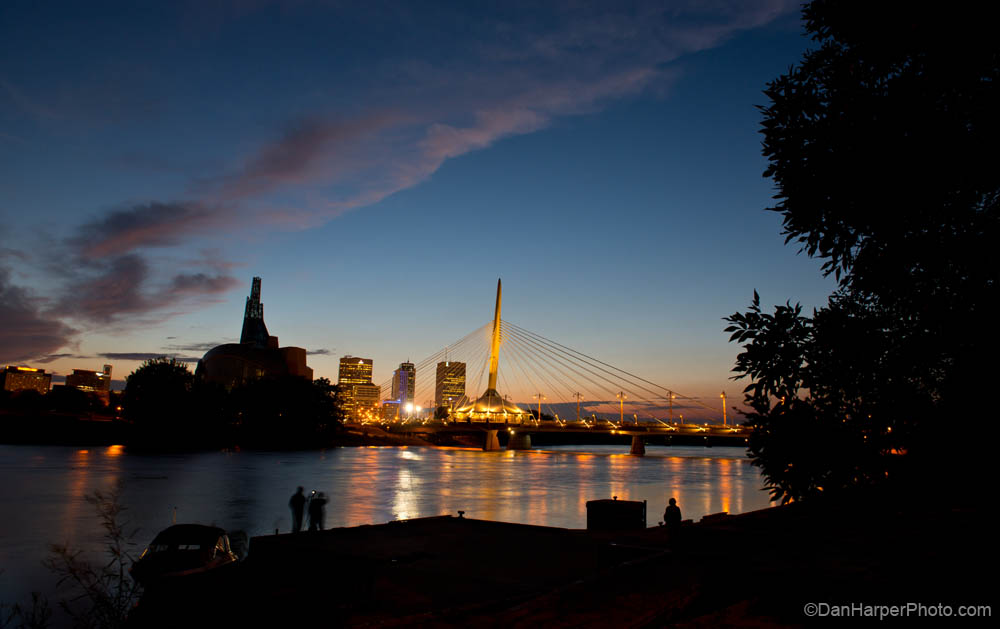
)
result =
(570, 427)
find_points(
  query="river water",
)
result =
(42, 491)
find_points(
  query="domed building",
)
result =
(256, 356)
(491, 407)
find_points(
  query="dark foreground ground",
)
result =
(754, 570)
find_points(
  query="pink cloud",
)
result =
(154, 224)
(25, 331)
(444, 141)
(121, 287)
(303, 153)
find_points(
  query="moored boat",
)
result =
(182, 551)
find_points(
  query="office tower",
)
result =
(449, 385)
(357, 393)
(366, 399)
(354, 370)
(404, 382)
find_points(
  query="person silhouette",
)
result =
(297, 503)
(672, 518)
(316, 511)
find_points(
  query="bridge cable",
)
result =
(631, 375)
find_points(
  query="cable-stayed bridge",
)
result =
(571, 392)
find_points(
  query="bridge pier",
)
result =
(491, 444)
(519, 441)
(638, 446)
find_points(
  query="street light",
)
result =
(723, 396)
(621, 408)
(539, 397)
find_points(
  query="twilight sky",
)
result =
(379, 165)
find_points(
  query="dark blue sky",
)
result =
(380, 165)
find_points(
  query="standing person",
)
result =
(316, 511)
(297, 503)
(672, 518)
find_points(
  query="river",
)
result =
(42, 491)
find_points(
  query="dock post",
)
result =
(638, 446)
(492, 444)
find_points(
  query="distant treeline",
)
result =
(165, 407)
(61, 399)
(64, 415)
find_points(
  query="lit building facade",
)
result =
(449, 385)
(354, 370)
(366, 398)
(404, 383)
(356, 389)
(26, 379)
(96, 382)
(389, 409)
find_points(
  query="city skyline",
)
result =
(619, 181)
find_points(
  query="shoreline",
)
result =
(72, 430)
(754, 569)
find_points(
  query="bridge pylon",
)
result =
(491, 406)
(491, 442)
(638, 446)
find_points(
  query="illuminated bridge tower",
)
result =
(491, 407)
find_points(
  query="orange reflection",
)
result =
(359, 504)
(725, 485)
(548, 488)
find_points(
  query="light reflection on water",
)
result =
(43, 488)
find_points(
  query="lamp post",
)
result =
(578, 396)
(539, 397)
(621, 408)
(671, 403)
(723, 396)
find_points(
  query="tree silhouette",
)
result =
(882, 147)
(157, 400)
(286, 411)
(65, 399)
